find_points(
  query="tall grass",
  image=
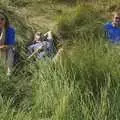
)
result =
(83, 85)
(86, 87)
(81, 21)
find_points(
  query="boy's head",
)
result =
(37, 36)
(116, 18)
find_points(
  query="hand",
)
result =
(3, 46)
(48, 33)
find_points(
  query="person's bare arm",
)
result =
(6, 46)
(3, 46)
(49, 35)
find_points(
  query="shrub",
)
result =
(83, 20)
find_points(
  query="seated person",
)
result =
(112, 29)
(42, 45)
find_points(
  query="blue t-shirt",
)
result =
(112, 33)
(10, 36)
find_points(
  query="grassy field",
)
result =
(84, 84)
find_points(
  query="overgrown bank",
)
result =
(84, 85)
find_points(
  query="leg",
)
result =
(10, 60)
(41, 55)
(30, 48)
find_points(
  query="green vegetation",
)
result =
(84, 84)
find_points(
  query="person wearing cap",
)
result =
(7, 42)
(112, 29)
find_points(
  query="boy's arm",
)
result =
(49, 35)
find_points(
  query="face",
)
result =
(2, 22)
(37, 36)
(116, 20)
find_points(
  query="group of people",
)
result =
(42, 46)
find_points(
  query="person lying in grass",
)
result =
(112, 29)
(7, 42)
(42, 45)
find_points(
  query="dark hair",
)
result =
(6, 19)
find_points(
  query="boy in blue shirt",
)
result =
(112, 29)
